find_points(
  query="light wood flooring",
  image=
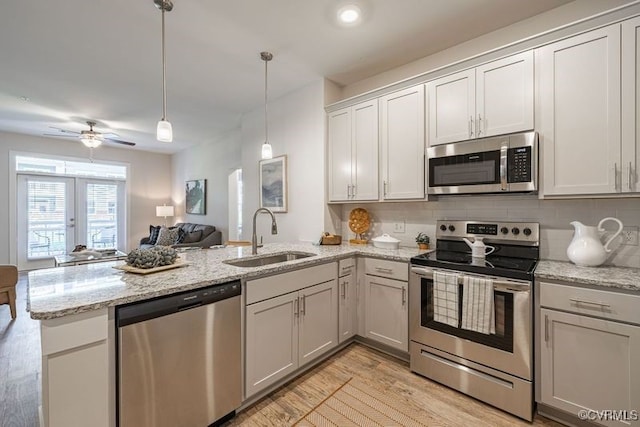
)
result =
(20, 384)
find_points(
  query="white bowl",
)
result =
(385, 242)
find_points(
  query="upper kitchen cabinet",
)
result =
(630, 105)
(493, 99)
(402, 144)
(578, 113)
(353, 153)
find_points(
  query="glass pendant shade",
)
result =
(164, 132)
(91, 141)
(267, 152)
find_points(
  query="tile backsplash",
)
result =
(554, 217)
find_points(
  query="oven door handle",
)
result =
(499, 285)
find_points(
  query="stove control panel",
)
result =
(527, 233)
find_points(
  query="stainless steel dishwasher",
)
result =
(179, 359)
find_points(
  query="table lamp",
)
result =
(164, 211)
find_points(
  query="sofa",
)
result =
(195, 235)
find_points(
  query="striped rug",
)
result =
(356, 404)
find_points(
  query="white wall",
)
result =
(554, 217)
(297, 130)
(149, 180)
(213, 161)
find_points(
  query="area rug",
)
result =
(357, 404)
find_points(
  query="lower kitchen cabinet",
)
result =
(347, 300)
(284, 332)
(589, 359)
(386, 303)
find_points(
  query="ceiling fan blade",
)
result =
(117, 141)
(58, 135)
(65, 130)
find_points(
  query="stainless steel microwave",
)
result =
(502, 164)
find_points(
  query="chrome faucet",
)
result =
(254, 238)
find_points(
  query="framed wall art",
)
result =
(196, 197)
(273, 184)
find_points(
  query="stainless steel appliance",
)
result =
(490, 165)
(179, 360)
(495, 367)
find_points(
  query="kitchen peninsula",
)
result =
(76, 307)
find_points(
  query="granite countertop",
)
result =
(62, 291)
(625, 278)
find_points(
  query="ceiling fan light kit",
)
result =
(91, 138)
(164, 131)
(267, 151)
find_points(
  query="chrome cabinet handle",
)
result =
(580, 301)
(384, 187)
(344, 290)
(479, 125)
(404, 296)
(470, 126)
(615, 176)
(348, 191)
(295, 308)
(630, 178)
(546, 328)
(353, 191)
(384, 270)
(303, 306)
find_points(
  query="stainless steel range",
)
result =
(470, 318)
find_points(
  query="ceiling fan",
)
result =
(90, 138)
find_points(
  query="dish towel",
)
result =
(478, 311)
(445, 298)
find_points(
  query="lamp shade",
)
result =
(267, 151)
(164, 211)
(91, 141)
(164, 132)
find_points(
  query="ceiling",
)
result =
(75, 60)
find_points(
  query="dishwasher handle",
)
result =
(162, 306)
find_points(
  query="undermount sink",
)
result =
(267, 259)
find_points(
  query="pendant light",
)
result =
(164, 132)
(267, 152)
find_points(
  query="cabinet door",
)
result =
(579, 112)
(451, 108)
(630, 105)
(318, 320)
(271, 341)
(347, 315)
(386, 315)
(589, 363)
(402, 143)
(504, 95)
(365, 151)
(339, 147)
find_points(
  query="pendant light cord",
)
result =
(266, 128)
(164, 69)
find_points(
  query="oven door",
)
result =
(508, 350)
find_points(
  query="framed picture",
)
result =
(196, 197)
(273, 184)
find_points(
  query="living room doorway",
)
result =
(235, 205)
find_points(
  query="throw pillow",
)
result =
(167, 236)
(181, 235)
(193, 237)
(154, 230)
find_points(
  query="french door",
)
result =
(57, 213)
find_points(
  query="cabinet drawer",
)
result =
(346, 266)
(390, 269)
(593, 302)
(272, 286)
(64, 333)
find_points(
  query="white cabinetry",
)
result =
(347, 305)
(78, 371)
(353, 152)
(402, 144)
(578, 113)
(589, 350)
(493, 99)
(630, 106)
(291, 319)
(386, 304)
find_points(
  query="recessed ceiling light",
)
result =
(349, 14)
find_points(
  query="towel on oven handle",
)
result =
(478, 311)
(445, 298)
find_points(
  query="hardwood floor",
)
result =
(20, 384)
(19, 364)
(441, 406)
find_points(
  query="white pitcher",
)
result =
(586, 249)
(478, 248)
